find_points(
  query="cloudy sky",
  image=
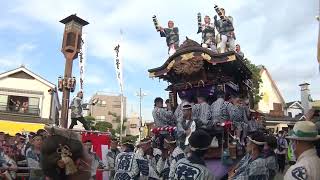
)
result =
(281, 35)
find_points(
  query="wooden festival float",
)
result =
(195, 70)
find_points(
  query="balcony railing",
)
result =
(30, 110)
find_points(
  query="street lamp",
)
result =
(71, 46)
(140, 94)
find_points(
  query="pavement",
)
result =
(279, 176)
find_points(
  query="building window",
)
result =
(133, 126)
(102, 103)
(116, 106)
(100, 118)
(20, 104)
(290, 114)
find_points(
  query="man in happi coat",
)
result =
(153, 154)
(226, 30)
(238, 117)
(77, 112)
(111, 156)
(253, 166)
(194, 167)
(270, 156)
(201, 112)
(162, 117)
(170, 156)
(133, 166)
(171, 34)
(219, 111)
(185, 126)
(208, 34)
(178, 113)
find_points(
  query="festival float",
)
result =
(204, 68)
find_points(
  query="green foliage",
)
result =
(118, 128)
(256, 80)
(130, 138)
(103, 126)
(117, 118)
(91, 121)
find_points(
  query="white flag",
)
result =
(118, 64)
(82, 60)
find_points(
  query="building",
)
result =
(306, 100)
(133, 124)
(272, 101)
(27, 101)
(277, 114)
(106, 107)
(294, 109)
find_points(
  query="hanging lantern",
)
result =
(69, 83)
(60, 83)
(73, 84)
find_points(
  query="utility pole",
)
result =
(140, 94)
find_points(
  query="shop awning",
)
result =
(12, 127)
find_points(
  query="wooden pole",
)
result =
(66, 94)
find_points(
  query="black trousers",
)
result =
(80, 119)
(281, 162)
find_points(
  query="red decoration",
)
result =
(97, 141)
(227, 125)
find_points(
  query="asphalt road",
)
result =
(280, 176)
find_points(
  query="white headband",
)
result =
(201, 149)
(256, 142)
(170, 142)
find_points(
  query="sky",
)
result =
(281, 35)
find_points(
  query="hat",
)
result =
(186, 107)
(199, 140)
(304, 131)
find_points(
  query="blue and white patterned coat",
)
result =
(132, 166)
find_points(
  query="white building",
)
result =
(27, 101)
(133, 124)
(272, 99)
(294, 109)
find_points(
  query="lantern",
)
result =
(60, 83)
(72, 35)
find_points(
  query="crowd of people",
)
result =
(18, 106)
(266, 155)
(21, 150)
(171, 153)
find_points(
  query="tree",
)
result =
(130, 138)
(117, 118)
(118, 129)
(91, 121)
(103, 126)
(256, 80)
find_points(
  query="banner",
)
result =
(118, 64)
(82, 60)
(118, 67)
